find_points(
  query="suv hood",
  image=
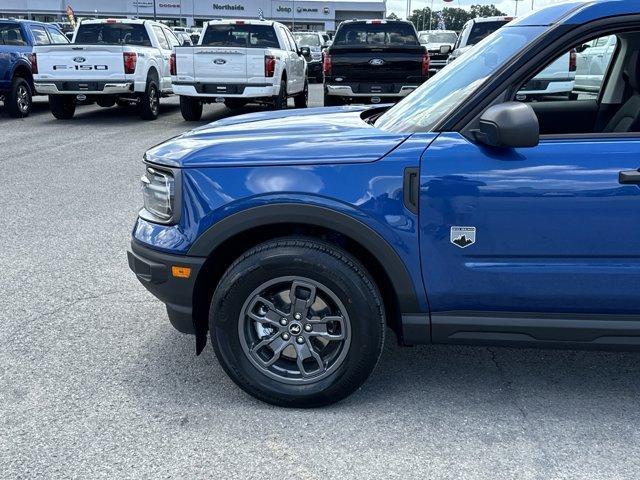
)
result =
(294, 137)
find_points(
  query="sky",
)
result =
(399, 7)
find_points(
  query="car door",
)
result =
(165, 52)
(298, 63)
(548, 229)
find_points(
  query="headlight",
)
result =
(159, 194)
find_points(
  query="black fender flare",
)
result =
(318, 216)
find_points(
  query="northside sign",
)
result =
(228, 7)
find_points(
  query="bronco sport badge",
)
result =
(463, 236)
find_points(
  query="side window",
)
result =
(577, 74)
(292, 42)
(173, 40)
(11, 35)
(162, 40)
(56, 36)
(40, 37)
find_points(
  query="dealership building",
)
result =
(298, 15)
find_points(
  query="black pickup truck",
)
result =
(373, 61)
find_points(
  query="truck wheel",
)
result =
(106, 102)
(302, 99)
(331, 101)
(297, 323)
(18, 101)
(280, 100)
(62, 107)
(191, 108)
(234, 103)
(150, 102)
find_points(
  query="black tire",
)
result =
(331, 100)
(191, 108)
(280, 100)
(106, 102)
(19, 99)
(313, 261)
(233, 103)
(150, 101)
(301, 100)
(63, 107)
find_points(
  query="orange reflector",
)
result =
(180, 272)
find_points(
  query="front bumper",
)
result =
(79, 87)
(154, 270)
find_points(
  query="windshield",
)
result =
(363, 34)
(438, 37)
(113, 34)
(482, 30)
(307, 40)
(240, 35)
(442, 93)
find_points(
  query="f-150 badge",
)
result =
(463, 236)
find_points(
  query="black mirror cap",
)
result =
(509, 125)
(305, 51)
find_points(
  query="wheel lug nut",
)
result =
(286, 336)
(283, 321)
(308, 327)
(300, 340)
(297, 316)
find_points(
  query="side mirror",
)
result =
(184, 42)
(509, 125)
(305, 52)
(445, 49)
(582, 48)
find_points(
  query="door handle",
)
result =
(629, 177)
(411, 189)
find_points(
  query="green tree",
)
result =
(420, 18)
(393, 16)
(485, 11)
(455, 18)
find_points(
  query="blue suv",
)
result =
(460, 215)
(17, 64)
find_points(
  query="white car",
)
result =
(237, 62)
(109, 61)
(435, 40)
(555, 80)
(592, 61)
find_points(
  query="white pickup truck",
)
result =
(109, 61)
(237, 62)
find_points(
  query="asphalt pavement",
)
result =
(95, 383)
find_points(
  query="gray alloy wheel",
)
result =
(294, 330)
(23, 99)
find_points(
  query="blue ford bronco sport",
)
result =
(17, 38)
(460, 215)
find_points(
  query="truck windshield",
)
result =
(240, 35)
(307, 40)
(439, 37)
(454, 84)
(481, 30)
(112, 34)
(365, 34)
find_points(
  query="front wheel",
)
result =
(63, 107)
(301, 100)
(191, 108)
(18, 101)
(150, 102)
(297, 323)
